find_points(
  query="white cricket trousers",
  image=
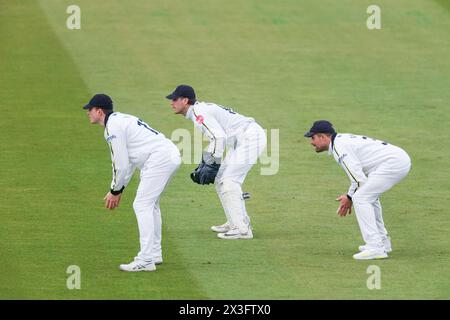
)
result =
(366, 200)
(155, 175)
(234, 168)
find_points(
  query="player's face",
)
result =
(94, 115)
(179, 105)
(320, 142)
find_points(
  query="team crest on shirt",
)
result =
(108, 139)
(199, 119)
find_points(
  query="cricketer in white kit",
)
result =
(245, 139)
(135, 145)
(373, 167)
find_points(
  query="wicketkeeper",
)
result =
(373, 167)
(246, 140)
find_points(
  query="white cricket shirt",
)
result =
(361, 155)
(220, 124)
(131, 141)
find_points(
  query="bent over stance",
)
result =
(246, 141)
(373, 167)
(135, 145)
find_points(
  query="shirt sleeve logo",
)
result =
(341, 158)
(108, 139)
(199, 119)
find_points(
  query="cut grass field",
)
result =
(285, 63)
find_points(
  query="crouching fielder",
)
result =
(134, 144)
(246, 140)
(373, 167)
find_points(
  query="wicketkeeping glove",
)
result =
(206, 172)
(195, 175)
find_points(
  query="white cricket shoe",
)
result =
(387, 245)
(138, 265)
(370, 254)
(157, 260)
(222, 228)
(236, 234)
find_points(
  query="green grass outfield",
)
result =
(286, 63)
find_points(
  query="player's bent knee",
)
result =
(140, 205)
(137, 205)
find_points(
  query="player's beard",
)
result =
(320, 149)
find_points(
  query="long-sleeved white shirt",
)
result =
(220, 124)
(361, 155)
(131, 141)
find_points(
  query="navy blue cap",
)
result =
(100, 100)
(320, 126)
(182, 91)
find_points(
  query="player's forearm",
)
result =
(120, 171)
(352, 189)
(118, 181)
(217, 147)
(120, 163)
(129, 175)
(354, 171)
